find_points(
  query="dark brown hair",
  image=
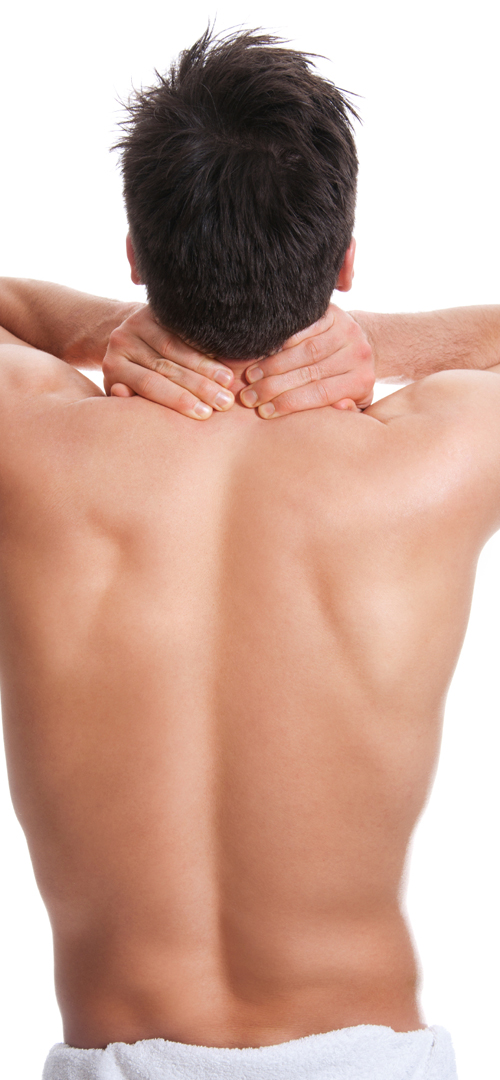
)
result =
(239, 172)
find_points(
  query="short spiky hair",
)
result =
(239, 172)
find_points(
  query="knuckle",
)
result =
(272, 368)
(163, 367)
(309, 373)
(284, 403)
(110, 367)
(145, 383)
(312, 350)
(267, 389)
(352, 328)
(354, 333)
(321, 393)
(203, 366)
(166, 344)
(185, 401)
(116, 338)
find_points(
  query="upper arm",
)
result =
(27, 376)
(463, 399)
(6, 338)
(36, 390)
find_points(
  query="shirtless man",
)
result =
(225, 652)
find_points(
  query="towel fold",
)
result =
(359, 1053)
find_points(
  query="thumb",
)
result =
(347, 404)
(120, 390)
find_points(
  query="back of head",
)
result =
(240, 179)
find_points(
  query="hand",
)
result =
(143, 358)
(329, 363)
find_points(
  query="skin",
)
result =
(225, 650)
(349, 368)
(328, 363)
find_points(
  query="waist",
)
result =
(126, 987)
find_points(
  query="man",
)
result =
(226, 645)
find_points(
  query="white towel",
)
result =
(359, 1053)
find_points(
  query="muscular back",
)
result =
(225, 649)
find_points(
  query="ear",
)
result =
(131, 258)
(346, 272)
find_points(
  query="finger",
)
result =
(119, 390)
(360, 382)
(314, 343)
(136, 351)
(173, 396)
(309, 351)
(142, 340)
(268, 388)
(311, 396)
(186, 357)
(354, 382)
(334, 337)
(149, 384)
(346, 405)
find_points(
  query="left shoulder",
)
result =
(37, 429)
(27, 376)
(35, 391)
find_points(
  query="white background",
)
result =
(427, 231)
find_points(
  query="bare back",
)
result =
(225, 651)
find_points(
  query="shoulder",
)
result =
(450, 393)
(460, 405)
(446, 429)
(35, 392)
(27, 375)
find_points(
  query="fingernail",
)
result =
(254, 373)
(223, 399)
(224, 378)
(202, 410)
(267, 410)
(248, 397)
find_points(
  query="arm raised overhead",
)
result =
(411, 346)
(86, 330)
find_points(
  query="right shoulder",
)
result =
(455, 395)
(447, 426)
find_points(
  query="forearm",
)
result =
(410, 346)
(69, 324)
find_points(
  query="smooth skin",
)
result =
(225, 649)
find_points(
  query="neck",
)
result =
(238, 367)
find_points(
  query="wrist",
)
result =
(87, 344)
